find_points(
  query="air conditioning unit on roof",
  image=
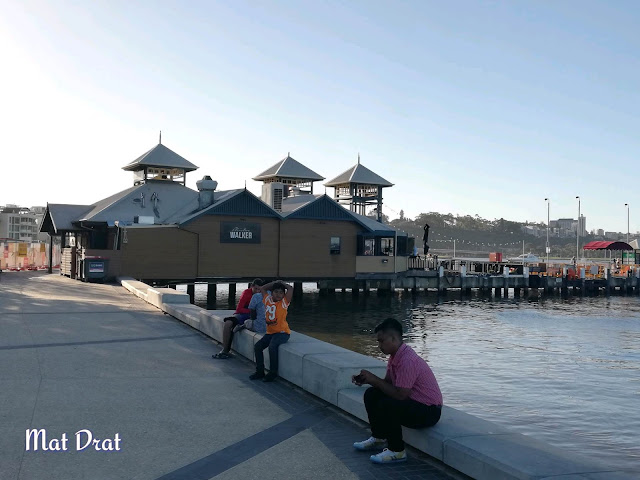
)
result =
(272, 195)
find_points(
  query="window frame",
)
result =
(332, 249)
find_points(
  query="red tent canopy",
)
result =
(600, 245)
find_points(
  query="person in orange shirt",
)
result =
(276, 297)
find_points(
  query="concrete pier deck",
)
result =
(77, 356)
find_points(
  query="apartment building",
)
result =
(21, 223)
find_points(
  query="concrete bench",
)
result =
(139, 289)
(486, 451)
(475, 447)
(160, 296)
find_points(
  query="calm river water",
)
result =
(564, 371)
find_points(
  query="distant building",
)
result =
(565, 223)
(600, 232)
(567, 227)
(583, 225)
(21, 223)
(533, 230)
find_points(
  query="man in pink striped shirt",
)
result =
(409, 395)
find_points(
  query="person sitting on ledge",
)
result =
(241, 314)
(257, 322)
(408, 396)
(277, 298)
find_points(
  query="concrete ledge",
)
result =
(212, 322)
(159, 296)
(512, 456)
(293, 352)
(189, 314)
(139, 289)
(453, 424)
(326, 374)
(475, 447)
(243, 342)
(351, 400)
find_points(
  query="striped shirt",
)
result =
(407, 369)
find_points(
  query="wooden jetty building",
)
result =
(164, 233)
(160, 231)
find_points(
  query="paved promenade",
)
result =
(94, 358)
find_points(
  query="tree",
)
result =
(402, 215)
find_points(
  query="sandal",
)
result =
(221, 356)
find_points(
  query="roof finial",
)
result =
(288, 154)
(358, 158)
(160, 140)
(245, 184)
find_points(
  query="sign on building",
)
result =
(239, 232)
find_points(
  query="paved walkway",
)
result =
(77, 356)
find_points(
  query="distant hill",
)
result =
(477, 236)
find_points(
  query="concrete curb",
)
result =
(475, 447)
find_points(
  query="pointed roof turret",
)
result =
(162, 157)
(289, 168)
(359, 174)
(359, 188)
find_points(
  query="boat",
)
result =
(524, 258)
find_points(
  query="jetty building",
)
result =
(163, 232)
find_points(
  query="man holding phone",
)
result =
(408, 396)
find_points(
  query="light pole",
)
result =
(578, 232)
(548, 209)
(627, 205)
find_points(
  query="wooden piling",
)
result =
(191, 291)
(212, 290)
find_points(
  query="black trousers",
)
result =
(273, 341)
(387, 416)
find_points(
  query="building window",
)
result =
(386, 246)
(334, 248)
(369, 246)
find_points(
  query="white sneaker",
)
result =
(387, 456)
(370, 443)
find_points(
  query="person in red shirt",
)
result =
(241, 314)
(408, 396)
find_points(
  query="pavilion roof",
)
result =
(607, 245)
(289, 168)
(160, 156)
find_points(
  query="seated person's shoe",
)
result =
(256, 376)
(370, 443)
(387, 456)
(222, 356)
(270, 377)
(237, 328)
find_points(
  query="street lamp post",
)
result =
(548, 210)
(627, 205)
(578, 232)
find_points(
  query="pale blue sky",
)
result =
(467, 107)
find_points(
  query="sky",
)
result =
(468, 107)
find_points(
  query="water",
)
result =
(566, 372)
